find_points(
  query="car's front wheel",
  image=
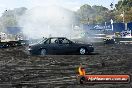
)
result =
(82, 51)
(43, 52)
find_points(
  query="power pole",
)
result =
(123, 16)
(111, 5)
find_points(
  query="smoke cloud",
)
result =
(45, 21)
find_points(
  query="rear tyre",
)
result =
(43, 52)
(82, 51)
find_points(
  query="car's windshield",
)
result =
(42, 41)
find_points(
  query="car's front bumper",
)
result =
(33, 52)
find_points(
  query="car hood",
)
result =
(34, 44)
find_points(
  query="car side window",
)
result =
(65, 41)
(54, 41)
(60, 41)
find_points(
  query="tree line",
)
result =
(99, 14)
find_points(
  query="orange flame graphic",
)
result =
(81, 71)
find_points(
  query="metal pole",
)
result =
(112, 24)
(105, 25)
(123, 16)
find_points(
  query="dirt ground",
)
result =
(19, 70)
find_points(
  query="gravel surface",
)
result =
(19, 70)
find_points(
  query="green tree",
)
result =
(126, 6)
(94, 14)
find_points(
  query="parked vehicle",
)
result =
(9, 40)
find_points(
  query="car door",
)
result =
(65, 46)
(51, 45)
(71, 46)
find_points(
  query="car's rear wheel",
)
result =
(43, 52)
(82, 51)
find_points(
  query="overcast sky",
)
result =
(70, 4)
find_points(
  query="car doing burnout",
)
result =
(59, 45)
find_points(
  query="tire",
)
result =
(82, 51)
(43, 52)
